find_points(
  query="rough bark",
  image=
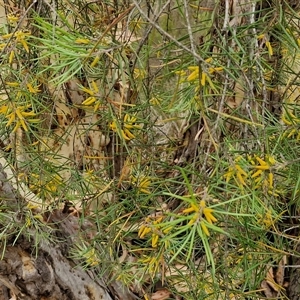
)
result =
(32, 269)
(50, 275)
(294, 284)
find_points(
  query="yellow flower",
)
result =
(125, 133)
(113, 126)
(93, 91)
(89, 101)
(33, 90)
(180, 73)
(95, 61)
(89, 255)
(269, 218)
(203, 78)
(4, 109)
(270, 48)
(43, 185)
(143, 231)
(203, 75)
(11, 56)
(263, 175)
(151, 225)
(143, 184)
(27, 221)
(194, 74)
(129, 123)
(19, 116)
(261, 36)
(292, 122)
(154, 240)
(13, 18)
(94, 94)
(200, 211)
(82, 41)
(208, 215)
(7, 36)
(237, 172)
(204, 228)
(152, 263)
(154, 101)
(215, 69)
(20, 37)
(139, 74)
(12, 84)
(181, 76)
(263, 165)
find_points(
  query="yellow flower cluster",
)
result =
(13, 19)
(262, 174)
(142, 182)
(236, 171)
(195, 73)
(267, 219)
(260, 170)
(289, 119)
(42, 185)
(151, 225)
(91, 258)
(200, 211)
(18, 37)
(94, 96)
(19, 116)
(32, 89)
(129, 123)
(152, 263)
(89, 255)
(139, 74)
(263, 165)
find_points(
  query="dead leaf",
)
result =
(274, 281)
(270, 279)
(161, 295)
(73, 91)
(279, 276)
(267, 289)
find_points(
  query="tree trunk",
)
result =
(294, 285)
(38, 269)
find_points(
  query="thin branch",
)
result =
(174, 40)
(189, 28)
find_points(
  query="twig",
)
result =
(196, 56)
(226, 17)
(189, 28)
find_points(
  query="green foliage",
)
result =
(175, 144)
